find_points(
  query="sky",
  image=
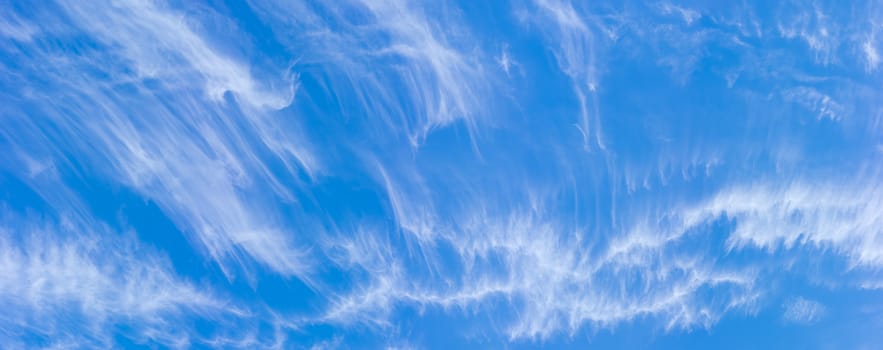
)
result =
(361, 174)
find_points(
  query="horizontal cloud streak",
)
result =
(54, 273)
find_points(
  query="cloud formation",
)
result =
(358, 173)
(803, 311)
(53, 273)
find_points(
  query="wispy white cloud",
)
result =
(505, 61)
(413, 74)
(576, 50)
(561, 280)
(185, 119)
(815, 101)
(13, 27)
(871, 55)
(446, 81)
(160, 124)
(153, 38)
(803, 311)
(51, 274)
(842, 218)
(816, 29)
(868, 41)
(688, 15)
(551, 278)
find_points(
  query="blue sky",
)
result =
(441, 174)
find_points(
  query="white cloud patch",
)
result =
(153, 38)
(845, 219)
(815, 101)
(416, 73)
(13, 27)
(448, 84)
(871, 55)
(53, 274)
(505, 61)
(803, 311)
(688, 15)
(816, 29)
